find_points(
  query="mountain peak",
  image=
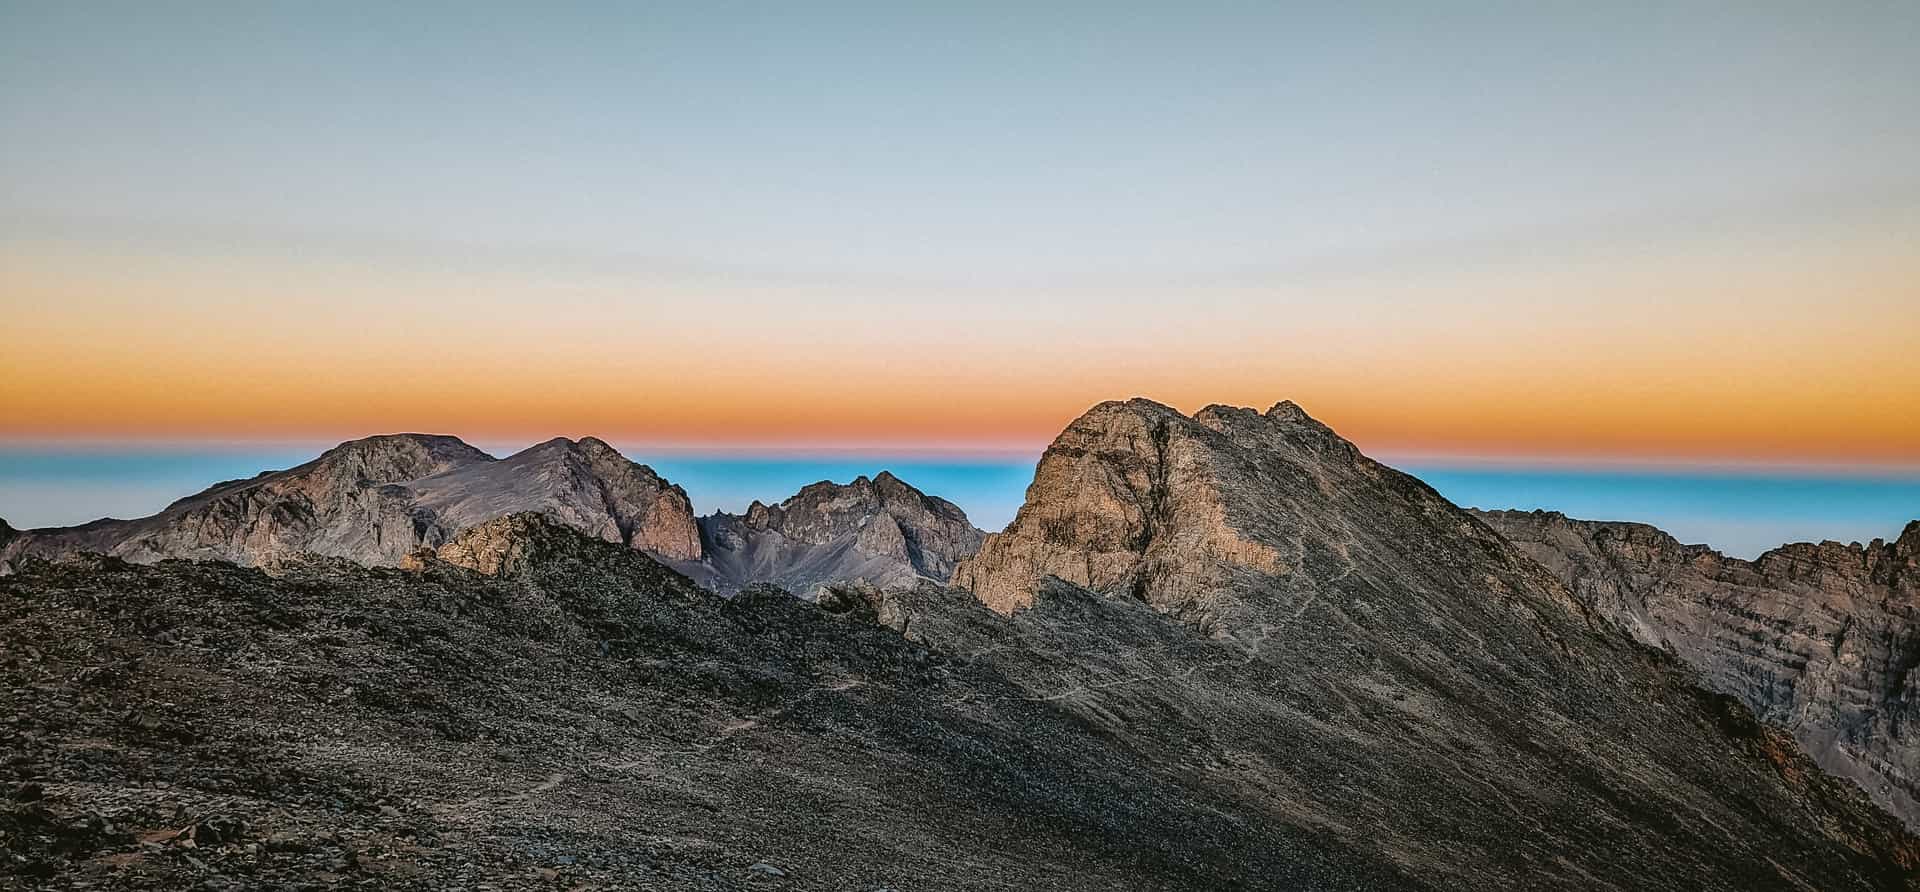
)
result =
(1288, 410)
(398, 457)
(591, 447)
(1136, 499)
(879, 529)
(376, 499)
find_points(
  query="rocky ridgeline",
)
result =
(374, 501)
(880, 531)
(1819, 639)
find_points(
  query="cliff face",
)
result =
(377, 499)
(1136, 498)
(880, 531)
(1819, 639)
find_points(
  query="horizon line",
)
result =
(1005, 452)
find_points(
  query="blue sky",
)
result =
(1568, 229)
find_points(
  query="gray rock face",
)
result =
(880, 531)
(377, 499)
(1819, 639)
(586, 485)
(1135, 498)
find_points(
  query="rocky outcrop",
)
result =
(880, 531)
(1136, 498)
(502, 546)
(1821, 640)
(376, 500)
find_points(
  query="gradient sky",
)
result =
(1683, 232)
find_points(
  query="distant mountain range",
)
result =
(378, 499)
(1225, 650)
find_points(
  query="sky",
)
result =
(1660, 235)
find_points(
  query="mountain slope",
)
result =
(376, 499)
(881, 531)
(1366, 656)
(585, 716)
(529, 706)
(1818, 639)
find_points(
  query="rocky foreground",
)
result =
(1225, 651)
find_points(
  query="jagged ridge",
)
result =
(376, 499)
(1820, 639)
(880, 531)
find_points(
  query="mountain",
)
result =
(375, 500)
(1225, 651)
(1364, 654)
(526, 706)
(1819, 639)
(881, 531)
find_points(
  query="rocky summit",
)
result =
(880, 532)
(377, 499)
(1219, 651)
(1820, 639)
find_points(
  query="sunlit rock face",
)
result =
(377, 499)
(1135, 497)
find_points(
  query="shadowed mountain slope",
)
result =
(528, 706)
(1819, 639)
(585, 716)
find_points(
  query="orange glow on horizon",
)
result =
(1810, 357)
